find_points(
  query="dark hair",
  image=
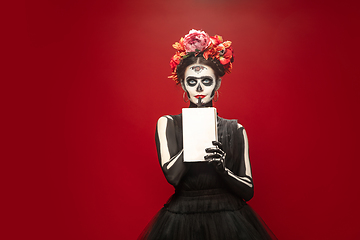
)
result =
(218, 68)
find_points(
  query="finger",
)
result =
(212, 156)
(213, 150)
(218, 144)
(214, 161)
(210, 159)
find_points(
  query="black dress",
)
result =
(204, 206)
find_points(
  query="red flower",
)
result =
(216, 40)
(175, 60)
(228, 53)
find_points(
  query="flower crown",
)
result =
(196, 42)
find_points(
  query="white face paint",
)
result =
(199, 83)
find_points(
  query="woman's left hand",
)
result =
(216, 156)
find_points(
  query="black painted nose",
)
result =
(199, 88)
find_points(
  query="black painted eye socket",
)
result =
(191, 82)
(207, 82)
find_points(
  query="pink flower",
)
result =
(196, 41)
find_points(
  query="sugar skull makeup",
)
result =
(199, 83)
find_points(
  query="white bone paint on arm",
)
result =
(170, 158)
(247, 179)
(161, 131)
(241, 182)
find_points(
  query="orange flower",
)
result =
(179, 45)
(227, 44)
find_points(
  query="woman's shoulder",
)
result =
(232, 122)
(169, 118)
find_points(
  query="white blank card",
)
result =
(199, 130)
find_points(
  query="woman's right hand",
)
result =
(216, 156)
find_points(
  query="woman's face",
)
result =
(199, 83)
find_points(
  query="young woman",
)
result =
(210, 196)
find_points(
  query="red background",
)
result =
(88, 81)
